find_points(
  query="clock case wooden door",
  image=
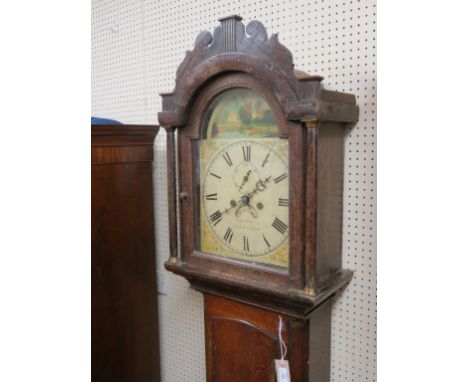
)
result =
(314, 121)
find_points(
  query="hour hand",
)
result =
(245, 179)
(233, 205)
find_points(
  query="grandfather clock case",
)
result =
(255, 178)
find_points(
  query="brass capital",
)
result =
(311, 124)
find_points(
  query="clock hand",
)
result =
(259, 186)
(245, 199)
(233, 205)
(245, 179)
(226, 210)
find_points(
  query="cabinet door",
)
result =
(124, 299)
(242, 342)
(241, 351)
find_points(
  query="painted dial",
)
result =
(244, 197)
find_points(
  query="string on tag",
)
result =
(283, 347)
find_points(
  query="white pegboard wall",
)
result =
(137, 47)
(118, 71)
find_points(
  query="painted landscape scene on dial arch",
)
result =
(240, 113)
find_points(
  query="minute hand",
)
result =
(259, 186)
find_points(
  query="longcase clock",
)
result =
(259, 153)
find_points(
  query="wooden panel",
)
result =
(329, 198)
(319, 343)
(122, 143)
(121, 154)
(249, 354)
(124, 300)
(242, 342)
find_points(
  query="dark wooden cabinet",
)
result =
(124, 299)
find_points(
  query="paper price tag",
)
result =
(282, 370)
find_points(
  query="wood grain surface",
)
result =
(124, 318)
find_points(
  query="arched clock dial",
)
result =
(245, 197)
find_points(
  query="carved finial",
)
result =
(232, 17)
(229, 31)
